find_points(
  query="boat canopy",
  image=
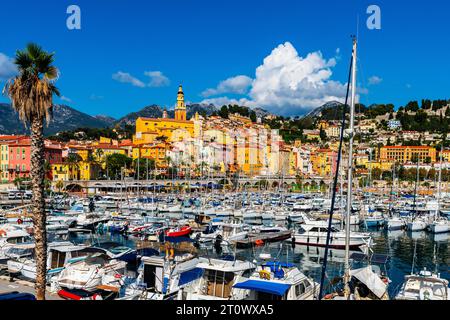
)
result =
(371, 280)
(275, 288)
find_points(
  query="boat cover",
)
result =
(16, 296)
(275, 288)
(371, 280)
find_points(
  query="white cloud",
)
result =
(289, 84)
(95, 97)
(7, 67)
(292, 84)
(157, 79)
(238, 85)
(64, 98)
(128, 78)
(374, 80)
(220, 101)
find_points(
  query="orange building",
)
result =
(403, 154)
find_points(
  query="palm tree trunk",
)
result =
(39, 217)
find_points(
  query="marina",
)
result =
(124, 240)
(215, 242)
(235, 155)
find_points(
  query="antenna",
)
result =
(357, 27)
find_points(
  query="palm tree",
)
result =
(31, 94)
(73, 163)
(59, 185)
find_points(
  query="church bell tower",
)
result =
(180, 110)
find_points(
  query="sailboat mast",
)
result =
(440, 180)
(350, 169)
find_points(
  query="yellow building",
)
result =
(446, 155)
(403, 154)
(65, 172)
(88, 170)
(149, 129)
(323, 125)
(324, 162)
(4, 155)
(384, 165)
(237, 117)
(333, 131)
(154, 151)
(4, 164)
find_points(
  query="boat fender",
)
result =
(264, 274)
(68, 295)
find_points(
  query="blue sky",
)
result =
(158, 44)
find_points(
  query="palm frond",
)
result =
(44, 62)
(52, 73)
(34, 50)
(31, 91)
(23, 60)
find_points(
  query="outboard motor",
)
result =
(218, 244)
(197, 241)
(161, 236)
(91, 205)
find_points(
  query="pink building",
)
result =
(20, 157)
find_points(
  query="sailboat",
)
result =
(439, 224)
(416, 222)
(362, 283)
(394, 221)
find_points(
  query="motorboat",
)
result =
(160, 278)
(439, 226)
(225, 232)
(217, 280)
(16, 251)
(183, 231)
(91, 272)
(59, 254)
(417, 224)
(11, 235)
(424, 286)
(395, 223)
(315, 234)
(278, 281)
(90, 220)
